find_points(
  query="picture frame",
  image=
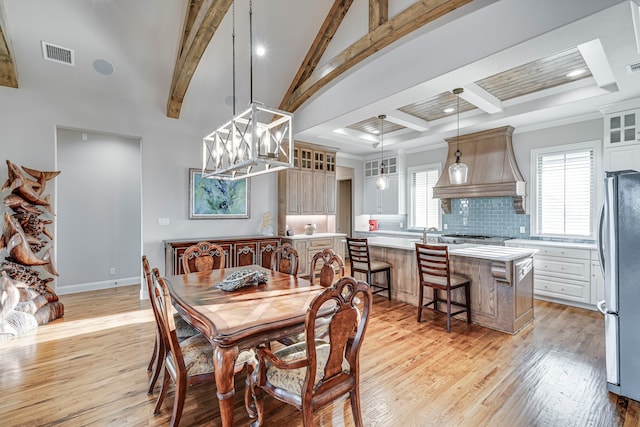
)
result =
(218, 198)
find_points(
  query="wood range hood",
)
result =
(493, 171)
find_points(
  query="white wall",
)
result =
(28, 120)
(99, 211)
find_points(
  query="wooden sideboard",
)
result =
(238, 251)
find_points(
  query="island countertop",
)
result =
(489, 252)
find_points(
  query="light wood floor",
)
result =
(90, 369)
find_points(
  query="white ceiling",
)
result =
(140, 38)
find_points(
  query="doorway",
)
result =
(344, 207)
(99, 206)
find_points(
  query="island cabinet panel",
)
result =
(501, 291)
(238, 251)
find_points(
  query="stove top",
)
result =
(473, 238)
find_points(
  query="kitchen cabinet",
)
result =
(562, 273)
(308, 246)
(238, 251)
(622, 136)
(309, 188)
(297, 193)
(385, 201)
(621, 158)
(622, 128)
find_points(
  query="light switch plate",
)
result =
(522, 230)
(163, 221)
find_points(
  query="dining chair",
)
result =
(183, 331)
(434, 271)
(310, 374)
(285, 259)
(330, 263)
(203, 256)
(361, 262)
(188, 362)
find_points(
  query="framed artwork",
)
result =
(217, 198)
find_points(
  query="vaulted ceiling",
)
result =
(337, 64)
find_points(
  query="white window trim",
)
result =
(410, 170)
(596, 146)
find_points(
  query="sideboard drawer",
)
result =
(321, 243)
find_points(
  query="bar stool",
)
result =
(361, 262)
(434, 272)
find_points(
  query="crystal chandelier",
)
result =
(458, 170)
(382, 182)
(256, 141)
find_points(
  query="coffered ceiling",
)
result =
(334, 63)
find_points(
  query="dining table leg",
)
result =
(224, 359)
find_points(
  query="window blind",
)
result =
(424, 212)
(565, 192)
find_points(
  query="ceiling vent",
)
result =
(633, 68)
(62, 55)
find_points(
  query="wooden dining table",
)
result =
(241, 319)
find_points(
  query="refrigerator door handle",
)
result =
(601, 240)
(601, 307)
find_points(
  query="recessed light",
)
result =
(260, 51)
(576, 72)
(376, 131)
(449, 110)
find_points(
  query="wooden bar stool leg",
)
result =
(420, 299)
(389, 283)
(449, 310)
(467, 294)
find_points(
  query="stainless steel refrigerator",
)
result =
(619, 247)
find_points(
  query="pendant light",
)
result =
(382, 182)
(458, 170)
(258, 140)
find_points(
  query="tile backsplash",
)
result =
(493, 216)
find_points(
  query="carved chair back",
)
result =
(203, 256)
(330, 367)
(285, 259)
(330, 263)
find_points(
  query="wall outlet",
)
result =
(401, 225)
(522, 230)
(112, 271)
(164, 221)
(445, 226)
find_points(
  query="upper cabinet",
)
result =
(309, 187)
(622, 128)
(622, 136)
(390, 201)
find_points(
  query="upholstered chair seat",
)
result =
(291, 380)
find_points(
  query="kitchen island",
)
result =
(501, 279)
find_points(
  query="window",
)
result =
(424, 210)
(564, 190)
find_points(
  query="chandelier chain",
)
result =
(233, 52)
(251, 50)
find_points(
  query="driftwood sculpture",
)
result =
(29, 249)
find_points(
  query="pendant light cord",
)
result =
(233, 50)
(457, 92)
(251, 50)
(382, 117)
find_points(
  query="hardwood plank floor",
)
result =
(90, 369)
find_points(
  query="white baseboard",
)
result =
(94, 286)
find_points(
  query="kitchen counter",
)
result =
(313, 236)
(489, 252)
(552, 243)
(501, 279)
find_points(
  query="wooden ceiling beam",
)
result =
(378, 13)
(8, 73)
(415, 16)
(319, 46)
(201, 22)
